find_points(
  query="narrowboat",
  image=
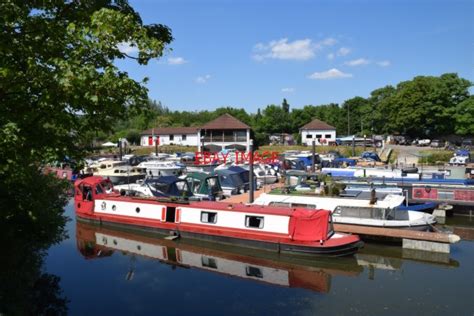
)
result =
(283, 230)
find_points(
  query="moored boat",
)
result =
(364, 212)
(284, 230)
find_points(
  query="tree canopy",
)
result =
(424, 106)
(59, 84)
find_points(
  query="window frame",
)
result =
(209, 213)
(260, 226)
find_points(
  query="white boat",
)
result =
(382, 213)
(158, 168)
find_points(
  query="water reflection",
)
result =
(31, 221)
(98, 242)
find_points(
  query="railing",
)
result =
(225, 138)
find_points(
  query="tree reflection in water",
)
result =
(31, 221)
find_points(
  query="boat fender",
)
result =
(103, 206)
(321, 242)
(428, 189)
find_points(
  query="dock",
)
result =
(436, 241)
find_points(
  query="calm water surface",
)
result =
(106, 271)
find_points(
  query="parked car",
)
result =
(435, 143)
(421, 142)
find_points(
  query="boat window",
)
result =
(254, 221)
(98, 189)
(213, 184)
(311, 206)
(87, 193)
(183, 187)
(208, 262)
(107, 186)
(254, 272)
(209, 217)
(279, 204)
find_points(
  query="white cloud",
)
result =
(203, 79)
(384, 63)
(343, 51)
(288, 90)
(331, 56)
(303, 49)
(127, 48)
(328, 41)
(357, 62)
(176, 61)
(329, 74)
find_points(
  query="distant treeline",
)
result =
(425, 106)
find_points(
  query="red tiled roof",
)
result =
(225, 121)
(318, 125)
(171, 130)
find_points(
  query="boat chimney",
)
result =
(373, 197)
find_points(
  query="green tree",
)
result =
(465, 117)
(59, 83)
(285, 106)
(357, 110)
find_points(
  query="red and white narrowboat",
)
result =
(286, 230)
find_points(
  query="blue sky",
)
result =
(248, 54)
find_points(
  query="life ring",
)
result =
(418, 193)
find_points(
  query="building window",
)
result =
(208, 217)
(318, 136)
(327, 136)
(183, 137)
(171, 137)
(254, 221)
(309, 136)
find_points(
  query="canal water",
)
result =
(106, 271)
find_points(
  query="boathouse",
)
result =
(184, 136)
(224, 132)
(321, 132)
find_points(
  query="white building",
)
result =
(224, 132)
(184, 136)
(319, 131)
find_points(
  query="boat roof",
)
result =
(90, 180)
(248, 208)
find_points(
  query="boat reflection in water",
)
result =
(289, 271)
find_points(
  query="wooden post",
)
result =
(313, 157)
